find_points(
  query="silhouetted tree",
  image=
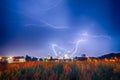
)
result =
(40, 59)
(76, 58)
(34, 59)
(28, 58)
(51, 58)
(83, 55)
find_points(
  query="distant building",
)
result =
(19, 59)
(15, 59)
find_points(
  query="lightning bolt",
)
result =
(73, 52)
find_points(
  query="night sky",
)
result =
(33, 26)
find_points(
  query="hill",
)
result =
(111, 55)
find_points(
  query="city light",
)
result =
(0, 58)
(10, 59)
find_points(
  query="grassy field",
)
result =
(77, 70)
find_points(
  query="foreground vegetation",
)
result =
(77, 70)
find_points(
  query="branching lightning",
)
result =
(72, 52)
